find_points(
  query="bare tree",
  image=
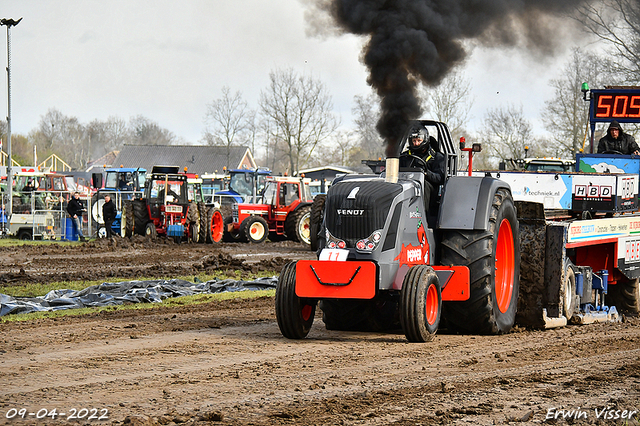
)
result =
(299, 110)
(366, 114)
(226, 119)
(64, 136)
(143, 131)
(341, 149)
(449, 102)
(566, 115)
(506, 132)
(617, 23)
(107, 136)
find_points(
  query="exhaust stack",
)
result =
(391, 169)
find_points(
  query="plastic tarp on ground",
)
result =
(107, 294)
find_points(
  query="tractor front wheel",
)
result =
(493, 259)
(150, 230)
(421, 304)
(297, 225)
(194, 232)
(294, 314)
(230, 237)
(126, 220)
(255, 229)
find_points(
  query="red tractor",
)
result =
(283, 213)
(165, 208)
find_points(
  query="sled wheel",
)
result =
(625, 296)
(569, 299)
(255, 229)
(493, 258)
(150, 230)
(421, 304)
(294, 314)
(215, 225)
(315, 221)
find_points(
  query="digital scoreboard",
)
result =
(620, 105)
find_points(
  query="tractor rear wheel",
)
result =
(493, 258)
(215, 225)
(294, 314)
(140, 215)
(625, 296)
(255, 229)
(315, 221)
(126, 219)
(421, 304)
(297, 225)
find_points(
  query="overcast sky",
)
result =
(167, 59)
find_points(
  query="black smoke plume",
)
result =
(422, 40)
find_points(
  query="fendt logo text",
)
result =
(350, 212)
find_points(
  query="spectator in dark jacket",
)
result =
(75, 209)
(617, 141)
(108, 214)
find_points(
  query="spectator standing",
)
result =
(75, 209)
(108, 214)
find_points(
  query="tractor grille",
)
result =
(353, 219)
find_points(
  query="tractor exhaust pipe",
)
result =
(391, 168)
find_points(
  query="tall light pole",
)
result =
(9, 23)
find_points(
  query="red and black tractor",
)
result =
(283, 213)
(165, 208)
(386, 261)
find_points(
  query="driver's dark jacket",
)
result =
(626, 144)
(435, 170)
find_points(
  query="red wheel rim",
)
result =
(306, 312)
(431, 307)
(505, 266)
(217, 227)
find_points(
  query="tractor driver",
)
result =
(425, 147)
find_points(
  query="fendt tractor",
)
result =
(282, 212)
(165, 208)
(482, 258)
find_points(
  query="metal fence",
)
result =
(42, 215)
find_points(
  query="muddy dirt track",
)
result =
(226, 362)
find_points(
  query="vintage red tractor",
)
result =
(165, 208)
(283, 213)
